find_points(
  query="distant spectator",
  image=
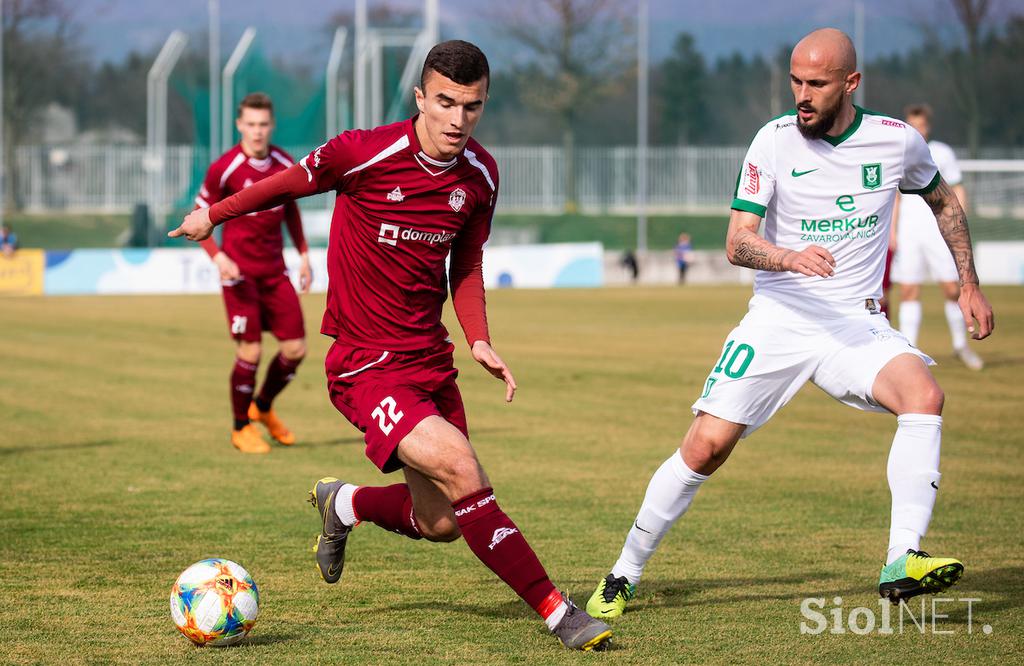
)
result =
(8, 241)
(684, 255)
(630, 263)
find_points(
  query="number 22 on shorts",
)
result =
(387, 420)
(734, 362)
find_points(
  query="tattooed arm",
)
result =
(953, 226)
(745, 247)
(952, 223)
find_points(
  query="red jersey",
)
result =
(398, 214)
(254, 242)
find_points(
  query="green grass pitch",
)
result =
(116, 473)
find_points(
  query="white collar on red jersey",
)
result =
(423, 160)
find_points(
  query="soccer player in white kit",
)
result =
(824, 178)
(921, 251)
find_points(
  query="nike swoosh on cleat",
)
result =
(797, 174)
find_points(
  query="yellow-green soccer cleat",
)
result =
(330, 543)
(916, 573)
(610, 597)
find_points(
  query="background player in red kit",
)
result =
(408, 194)
(258, 295)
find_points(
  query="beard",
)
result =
(827, 118)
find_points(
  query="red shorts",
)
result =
(386, 394)
(260, 304)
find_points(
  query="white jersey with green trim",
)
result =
(836, 193)
(915, 217)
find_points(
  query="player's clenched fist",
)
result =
(195, 227)
(812, 260)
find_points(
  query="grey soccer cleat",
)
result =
(330, 543)
(579, 631)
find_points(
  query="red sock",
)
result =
(497, 542)
(243, 376)
(280, 372)
(389, 507)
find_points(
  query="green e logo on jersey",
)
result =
(871, 175)
(845, 203)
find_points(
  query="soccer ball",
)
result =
(214, 602)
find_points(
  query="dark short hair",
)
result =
(256, 100)
(457, 60)
(914, 110)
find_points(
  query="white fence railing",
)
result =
(112, 179)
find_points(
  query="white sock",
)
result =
(913, 473)
(343, 504)
(551, 621)
(956, 325)
(668, 497)
(910, 320)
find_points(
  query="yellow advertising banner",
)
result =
(21, 274)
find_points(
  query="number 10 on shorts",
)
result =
(387, 420)
(734, 362)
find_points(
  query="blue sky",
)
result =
(295, 29)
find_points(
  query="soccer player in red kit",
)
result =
(258, 295)
(408, 194)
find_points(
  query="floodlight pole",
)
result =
(641, 133)
(3, 155)
(858, 45)
(376, 79)
(359, 100)
(227, 101)
(421, 46)
(333, 67)
(156, 119)
(214, 56)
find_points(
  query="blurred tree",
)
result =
(966, 66)
(581, 48)
(42, 63)
(683, 92)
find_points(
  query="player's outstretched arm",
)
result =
(952, 221)
(745, 247)
(290, 184)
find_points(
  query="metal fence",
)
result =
(112, 179)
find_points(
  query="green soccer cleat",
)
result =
(330, 543)
(610, 597)
(916, 573)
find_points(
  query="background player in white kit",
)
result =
(921, 251)
(824, 178)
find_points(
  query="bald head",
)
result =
(828, 48)
(823, 75)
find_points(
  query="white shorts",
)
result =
(775, 350)
(922, 254)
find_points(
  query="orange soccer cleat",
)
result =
(277, 429)
(249, 440)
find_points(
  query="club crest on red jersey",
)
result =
(457, 198)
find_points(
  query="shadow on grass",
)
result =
(999, 361)
(57, 447)
(998, 589)
(692, 592)
(270, 638)
(335, 441)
